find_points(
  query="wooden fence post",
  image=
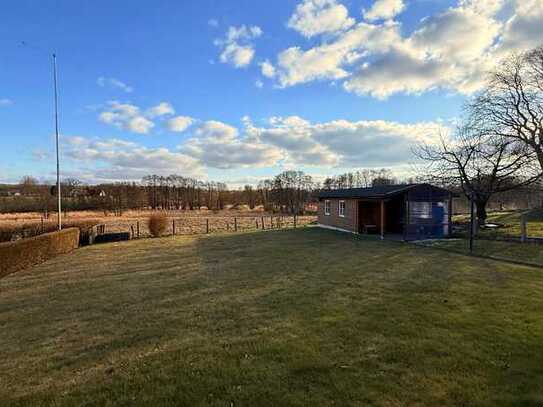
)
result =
(523, 234)
(262, 218)
(235, 224)
(256, 222)
(294, 221)
(207, 226)
(42, 225)
(173, 226)
(271, 222)
(138, 228)
(228, 226)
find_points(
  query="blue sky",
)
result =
(240, 90)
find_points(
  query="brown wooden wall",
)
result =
(349, 222)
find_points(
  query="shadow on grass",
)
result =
(291, 318)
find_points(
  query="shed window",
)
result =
(420, 211)
(341, 210)
(327, 207)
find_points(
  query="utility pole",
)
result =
(59, 196)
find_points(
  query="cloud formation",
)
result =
(283, 142)
(114, 159)
(237, 46)
(129, 117)
(179, 124)
(314, 17)
(113, 83)
(384, 9)
(451, 50)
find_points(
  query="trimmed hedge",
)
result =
(18, 255)
(14, 231)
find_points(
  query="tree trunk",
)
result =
(481, 211)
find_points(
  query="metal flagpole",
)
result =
(59, 199)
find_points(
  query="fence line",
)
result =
(199, 226)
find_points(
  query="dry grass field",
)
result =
(303, 317)
(186, 222)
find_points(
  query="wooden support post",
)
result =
(262, 219)
(173, 227)
(42, 228)
(235, 224)
(406, 221)
(523, 228)
(256, 222)
(228, 226)
(207, 226)
(138, 228)
(382, 219)
(294, 221)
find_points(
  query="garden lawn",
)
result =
(303, 317)
(511, 222)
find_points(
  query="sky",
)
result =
(240, 90)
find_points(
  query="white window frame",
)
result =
(327, 207)
(341, 213)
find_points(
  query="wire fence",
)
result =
(198, 225)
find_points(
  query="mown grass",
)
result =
(508, 251)
(286, 318)
(511, 222)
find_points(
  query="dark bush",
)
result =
(158, 224)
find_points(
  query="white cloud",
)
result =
(5, 102)
(268, 70)
(286, 142)
(162, 109)
(259, 84)
(218, 145)
(113, 159)
(524, 30)
(451, 50)
(384, 9)
(113, 83)
(212, 22)
(237, 46)
(342, 143)
(332, 60)
(179, 124)
(126, 116)
(314, 17)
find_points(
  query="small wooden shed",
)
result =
(409, 211)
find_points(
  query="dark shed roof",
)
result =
(376, 192)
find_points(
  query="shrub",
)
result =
(158, 223)
(34, 250)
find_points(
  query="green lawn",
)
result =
(508, 251)
(511, 221)
(303, 317)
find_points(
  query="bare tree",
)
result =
(511, 106)
(481, 164)
(28, 185)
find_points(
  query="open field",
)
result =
(186, 222)
(302, 317)
(511, 222)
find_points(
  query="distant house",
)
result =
(410, 212)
